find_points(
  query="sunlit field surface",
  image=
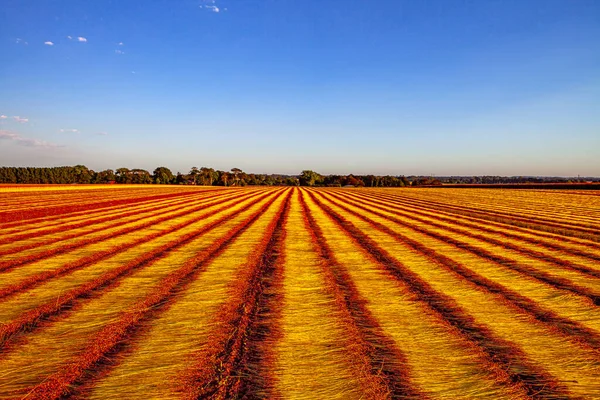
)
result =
(123, 292)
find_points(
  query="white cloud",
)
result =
(69, 130)
(49, 43)
(120, 44)
(81, 39)
(21, 41)
(212, 6)
(69, 37)
(21, 120)
(3, 117)
(119, 52)
(26, 141)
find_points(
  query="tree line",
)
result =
(80, 174)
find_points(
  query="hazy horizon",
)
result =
(440, 88)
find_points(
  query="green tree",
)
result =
(105, 176)
(194, 175)
(236, 172)
(289, 181)
(208, 176)
(310, 178)
(82, 174)
(224, 178)
(123, 175)
(140, 176)
(181, 179)
(162, 175)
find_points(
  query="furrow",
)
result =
(222, 369)
(505, 231)
(89, 221)
(563, 325)
(478, 206)
(97, 256)
(114, 336)
(158, 357)
(384, 369)
(538, 381)
(50, 222)
(583, 233)
(24, 216)
(64, 336)
(443, 362)
(528, 204)
(592, 291)
(32, 201)
(148, 221)
(28, 320)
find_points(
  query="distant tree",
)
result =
(181, 179)
(310, 178)
(224, 178)
(236, 172)
(353, 181)
(208, 176)
(194, 175)
(389, 181)
(105, 176)
(333, 180)
(371, 180)
(269, 180)
(251, 179)
(162, 175)
(123, 175)
(291, 181)
(140, 176)
(81, 174)
(243, 179)
(426, 182)
(8, 175)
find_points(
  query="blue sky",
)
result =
(277, 86)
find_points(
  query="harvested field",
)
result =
(122, 292)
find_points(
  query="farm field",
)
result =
(181, 292)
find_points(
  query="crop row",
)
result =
(300, 293)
